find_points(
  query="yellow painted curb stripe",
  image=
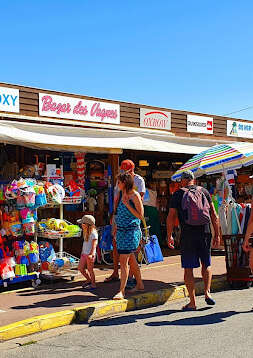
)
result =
(36, 324)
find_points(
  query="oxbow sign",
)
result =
(9, 99)
(150, 118)
(239, 129)
(199, 124)
(78, 109)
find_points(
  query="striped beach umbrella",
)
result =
(217, 159)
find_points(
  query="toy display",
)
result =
(23, 199)
(46, 254)
(19, 261)
(56, 228)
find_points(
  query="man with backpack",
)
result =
(194, 208)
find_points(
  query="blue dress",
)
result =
(128, 229)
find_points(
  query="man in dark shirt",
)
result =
(195, 243)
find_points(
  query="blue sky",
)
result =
(190, 54)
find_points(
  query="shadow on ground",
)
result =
(76, 294)
(193, 320)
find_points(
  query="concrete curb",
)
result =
(100, 310)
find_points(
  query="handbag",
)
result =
(106, 239)
(152, 250)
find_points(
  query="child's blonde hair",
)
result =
(86, 234)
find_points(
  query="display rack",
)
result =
(60, 236)
(32, 276)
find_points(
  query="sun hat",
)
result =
(127, 164)
(187, 174)
(87, 219)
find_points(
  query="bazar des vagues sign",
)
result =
(78, 109)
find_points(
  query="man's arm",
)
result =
(216, 225)
(170, 223)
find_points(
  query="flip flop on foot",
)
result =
(210, 301)
(86, 283)
(188, 308)
(111, 279)
(136, 289)
(118, 296)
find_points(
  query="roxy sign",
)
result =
(9, 99)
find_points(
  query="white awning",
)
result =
(70, 138)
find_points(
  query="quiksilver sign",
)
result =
(9, 99)
(150, 118)
(199, 124)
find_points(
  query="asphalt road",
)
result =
(225, 330)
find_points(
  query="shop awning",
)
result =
(73, 138)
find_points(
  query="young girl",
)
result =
(88, 253)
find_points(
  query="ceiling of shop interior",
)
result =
(154, 157)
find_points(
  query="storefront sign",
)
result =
(9, 99)
(239, 129)
(155, 119)
(78, 109)
(199, 124)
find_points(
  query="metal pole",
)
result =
(61, 239)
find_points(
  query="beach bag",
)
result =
(152, 250)
(40, 200)
(195, 206)
(46, 252)
(106, 239)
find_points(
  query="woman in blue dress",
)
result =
(128, 218)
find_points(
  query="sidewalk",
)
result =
(64, 295)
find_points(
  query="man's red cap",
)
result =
(127, 165)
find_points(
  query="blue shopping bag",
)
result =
(153, 251)
(106, 239)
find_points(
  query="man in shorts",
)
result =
(126, 166)
(195, 241)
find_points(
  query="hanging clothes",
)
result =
(223, 219)
(236, 211)
(215, 202)
(229, 218)
(231, 175)
(246, 220)
(243, 215)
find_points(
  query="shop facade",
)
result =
(49, 128)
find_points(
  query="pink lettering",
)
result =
(49, 105)
(94, 109)
(79, 109)
(97, 111)
(47, 100)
